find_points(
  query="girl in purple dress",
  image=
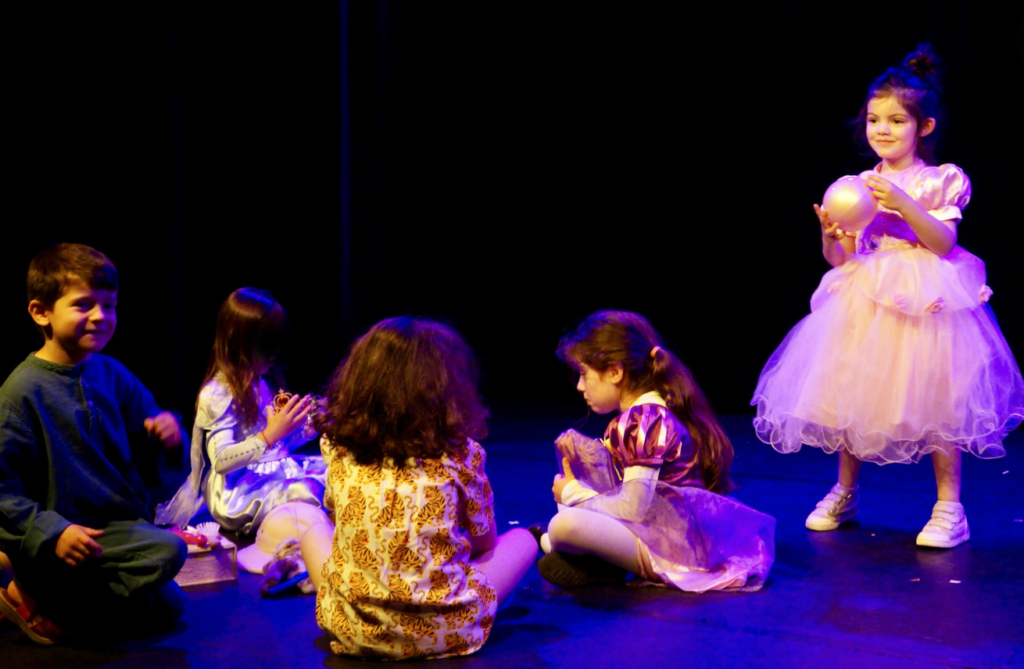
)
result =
(900, 356)
(650, 497)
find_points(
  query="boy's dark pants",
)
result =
(128, 587)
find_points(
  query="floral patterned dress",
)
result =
(399, 582)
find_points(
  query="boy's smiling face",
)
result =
(80, 323)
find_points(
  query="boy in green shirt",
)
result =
(73, 508)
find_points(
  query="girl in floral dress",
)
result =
(412, 566)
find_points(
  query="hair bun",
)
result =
(923, 62)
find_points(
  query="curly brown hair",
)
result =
(608, 337)
(406, 389)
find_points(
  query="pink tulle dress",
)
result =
(646, 475)
(900, 355)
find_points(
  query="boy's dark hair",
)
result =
(57, 266)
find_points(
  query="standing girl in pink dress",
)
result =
(649, 498)
(900, 356)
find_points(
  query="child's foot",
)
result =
(840, 505)
(947, 527)
(538, 531)
(574, 571)
(38, 628)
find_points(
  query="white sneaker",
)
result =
(840, 505)
(947, 528)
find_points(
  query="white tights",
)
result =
(583, 532)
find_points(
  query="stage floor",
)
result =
(863, 595)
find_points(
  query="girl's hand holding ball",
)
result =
(850, 203)
(830, 231)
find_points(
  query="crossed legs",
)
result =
(504, 565)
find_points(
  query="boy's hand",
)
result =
(164, 426)
(562, 479)
(75, 545)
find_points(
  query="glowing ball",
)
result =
(849, 202)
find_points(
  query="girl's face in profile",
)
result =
(264, 362)
(600, 389)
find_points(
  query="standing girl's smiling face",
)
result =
(893, 132)
(601, 390)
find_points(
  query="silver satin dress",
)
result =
(241, 478)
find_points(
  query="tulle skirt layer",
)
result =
(899, 357)
(697, 540)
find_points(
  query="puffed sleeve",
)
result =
(944, 191)
(642, 436)
(228, 448)
(478, 511)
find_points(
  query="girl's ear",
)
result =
(614, 373)
(927, 127)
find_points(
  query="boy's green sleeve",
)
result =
(24, 526)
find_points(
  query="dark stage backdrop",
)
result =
(507, 166)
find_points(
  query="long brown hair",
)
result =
(608, 337)
(250, 323)
(407, 388)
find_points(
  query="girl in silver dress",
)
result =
(241, 441)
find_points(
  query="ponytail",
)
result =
(608, 337)
(674, 382)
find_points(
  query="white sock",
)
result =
(545, 543)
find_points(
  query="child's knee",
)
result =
(519, 542)
(563, 530)
(168, 549)
(316, 542)
(316, 545)
(178, 554)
